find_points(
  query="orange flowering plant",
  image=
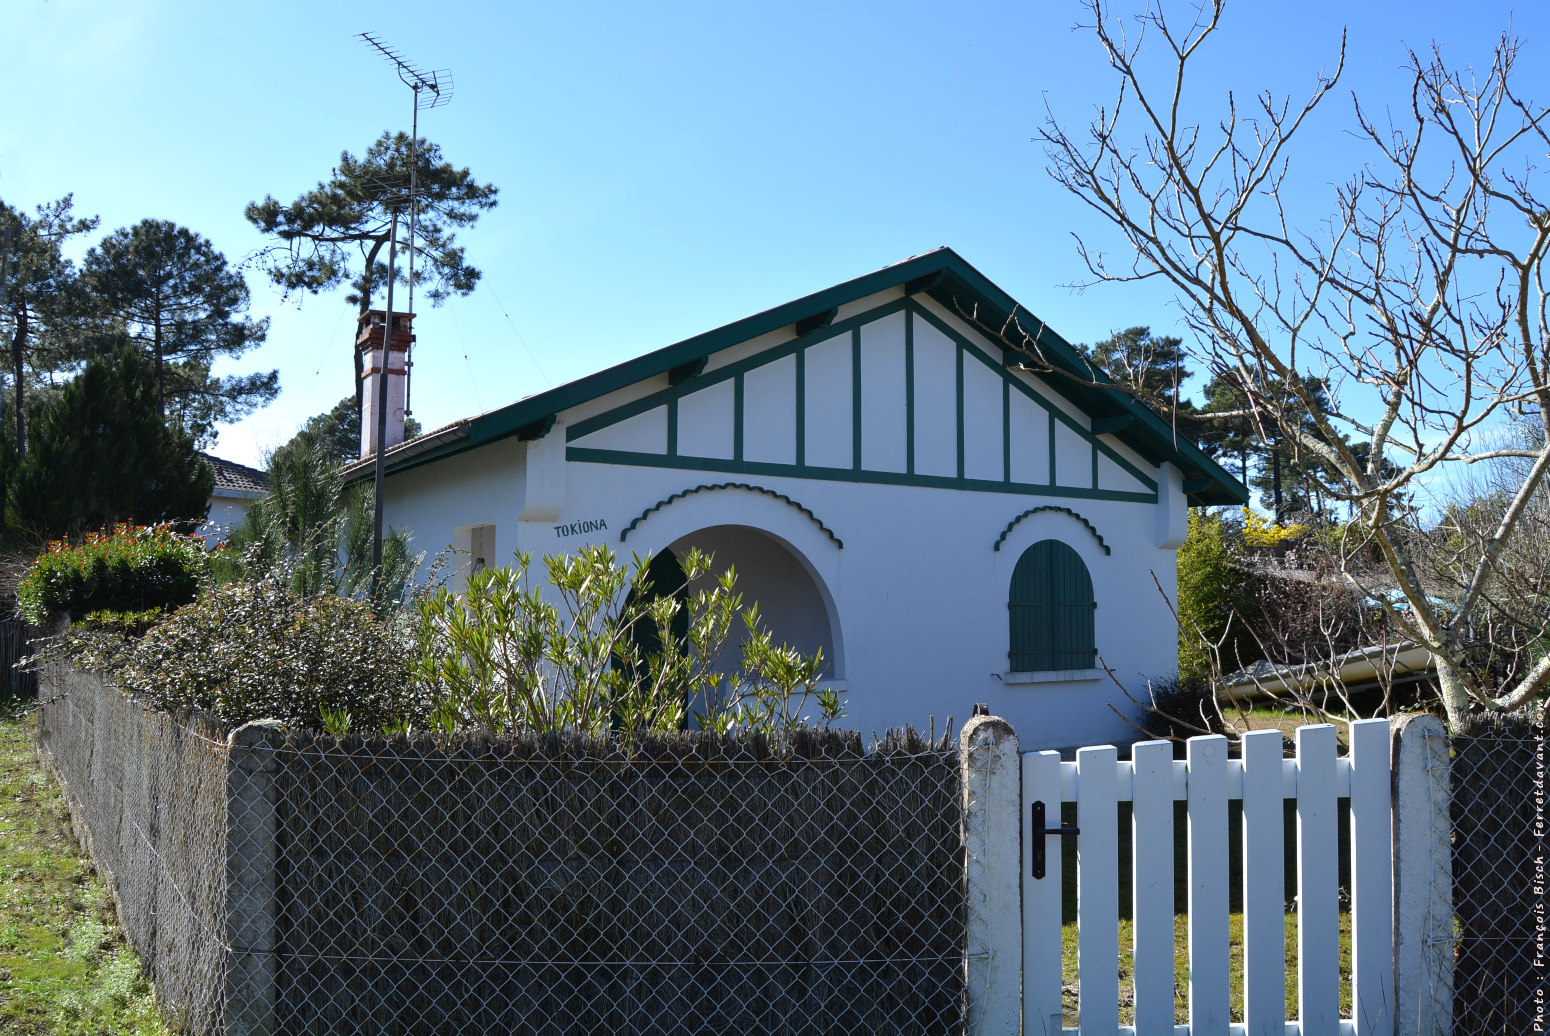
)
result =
(127, 568)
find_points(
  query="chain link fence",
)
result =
(300, 883)
(147, 797)
(1502, 952)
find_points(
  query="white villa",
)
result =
(891, 483)
(236, 487)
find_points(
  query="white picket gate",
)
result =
(1207, 779)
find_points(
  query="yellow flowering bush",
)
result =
(1261, 532)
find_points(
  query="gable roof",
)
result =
(233, 479)
(944, 276)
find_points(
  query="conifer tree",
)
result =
(174, 295)
(39, 315)
(335, 233)
(101, 454)
(1152, 367)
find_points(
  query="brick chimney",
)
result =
(369, 342)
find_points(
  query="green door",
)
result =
(1051, 607)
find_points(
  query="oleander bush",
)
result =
(641, 647)
(597, 647)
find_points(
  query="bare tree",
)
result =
(1419, 298)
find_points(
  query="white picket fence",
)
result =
(1207, 780)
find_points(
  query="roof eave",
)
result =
(413, 452)
(937, 273)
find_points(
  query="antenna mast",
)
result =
(430, 90)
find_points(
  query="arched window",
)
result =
(1051, 610)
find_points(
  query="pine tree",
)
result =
(41, 303)
(1223, 437)
(336, 232)
(174, 295)
(101, 454)
(1288, 484)
(337, 433)
(1147, 365)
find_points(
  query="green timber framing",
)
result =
(942, 275)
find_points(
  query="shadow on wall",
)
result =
(791, 605)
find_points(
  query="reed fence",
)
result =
(288, 881)
(1501, 975)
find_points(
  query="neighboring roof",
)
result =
(233, 479)
(941, 274)
(1265, 679)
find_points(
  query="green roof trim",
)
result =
(782, 497)
(941, 274)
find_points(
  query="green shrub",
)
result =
(124, 624)
(246, 651)
(599, 650)
(616, 655)
(125, 569)
(1182, 708)
(1216, 592)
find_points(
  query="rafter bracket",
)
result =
(687, 371)
(809, 324)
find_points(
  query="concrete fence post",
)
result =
(992, 811)
(251, 971)
(1423, 878)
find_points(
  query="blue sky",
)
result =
(664, 168)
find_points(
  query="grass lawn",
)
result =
(1181, 969)
(64, 966)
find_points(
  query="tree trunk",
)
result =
(161, 379)
(1455, 694)
(18, 366)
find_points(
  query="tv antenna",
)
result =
(431, 89)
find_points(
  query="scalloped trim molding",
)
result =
(1050, 507)
(783, 498)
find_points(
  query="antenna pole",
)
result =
(380, 468)
(439, 84)
(414, 169)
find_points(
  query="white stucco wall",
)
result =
(916, 598)
(919, 593)
(225, 514)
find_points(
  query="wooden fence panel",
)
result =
(1097, 890)
(1372, 880)
(1152, 881)
(1042, 1011)
(1207, 781)
(1264, 908)
(1209, 1009)
(1318, 883)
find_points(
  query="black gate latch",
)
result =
(1040, 831)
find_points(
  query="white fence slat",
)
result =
(1097, 891)
(1372, 890)
(1264, 886)
(1208, 901)
(1152, 870)
(1318, 886)
(1041, 901)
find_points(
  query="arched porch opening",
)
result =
(793, 605)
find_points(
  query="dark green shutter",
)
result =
(1050, 607)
